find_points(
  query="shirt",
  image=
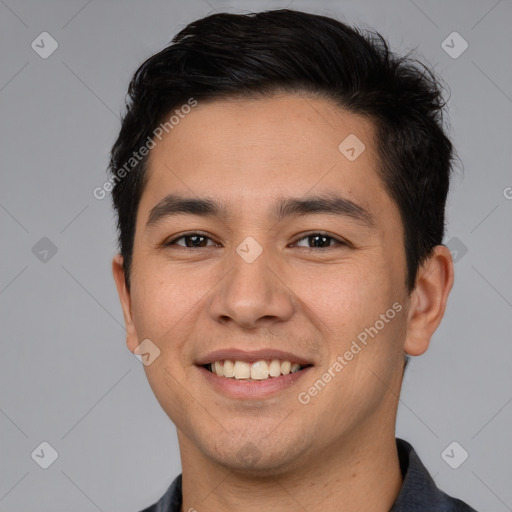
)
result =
(418, 493)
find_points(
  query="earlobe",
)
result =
(125, 299)
(428, 300)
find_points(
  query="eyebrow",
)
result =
(175, 204)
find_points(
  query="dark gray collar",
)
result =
(419, 492)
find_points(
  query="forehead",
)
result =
(247, 149)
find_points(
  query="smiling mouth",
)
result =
(257, 371)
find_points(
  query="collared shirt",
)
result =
(418, 493)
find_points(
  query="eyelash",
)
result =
(340, 243)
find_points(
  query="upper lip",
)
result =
(250, 356)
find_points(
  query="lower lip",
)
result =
(255, 389)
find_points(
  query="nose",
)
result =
(253, 295)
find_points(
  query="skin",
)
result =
(337, 452)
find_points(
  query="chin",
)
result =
(259, 460)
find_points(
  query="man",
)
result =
(280, 182)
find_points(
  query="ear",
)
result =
(428, 300)
(132, 340)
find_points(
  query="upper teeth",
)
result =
(259, 370)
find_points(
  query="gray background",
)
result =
(66, 375)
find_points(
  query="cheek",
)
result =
(349, 296)
(361, 313)
(161, 302)
(163, 310)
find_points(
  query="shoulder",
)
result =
(419, 492)
(170, 501)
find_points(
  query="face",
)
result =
(298, 256)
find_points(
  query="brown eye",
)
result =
(319, 241)
(192, 241)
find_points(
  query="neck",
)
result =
(360, 474)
